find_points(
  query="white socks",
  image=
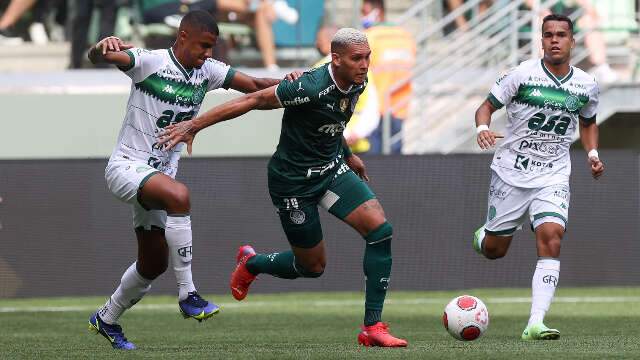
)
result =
(178, 234)
(132, 288)
(543, 287)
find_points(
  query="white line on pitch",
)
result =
(334, 303)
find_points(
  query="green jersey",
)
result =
(310, 147)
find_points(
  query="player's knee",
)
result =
(312, 270)
(383, 233)
(179, 199)
(494, 250)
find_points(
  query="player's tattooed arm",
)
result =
(247, 84)
(110, 50)
(186, 131)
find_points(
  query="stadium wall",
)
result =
(64, 234)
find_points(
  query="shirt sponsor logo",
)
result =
(297, 101)
(525, 163)
(542, 147)
(326, 91)
(332, 129)
(497, 193)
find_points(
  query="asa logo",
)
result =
(297, 101)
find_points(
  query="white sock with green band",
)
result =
(543, 288)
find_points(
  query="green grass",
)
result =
(324, 325)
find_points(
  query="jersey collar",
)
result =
(335, 82)
(187, 74)
(557, 81)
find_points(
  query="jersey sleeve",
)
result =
(142, 63)
(219, 74)
(297, 93)
(504, 89)
(590, 109)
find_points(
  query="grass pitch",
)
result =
(596, 323)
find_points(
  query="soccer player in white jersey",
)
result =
(168, 87)
(546, 101)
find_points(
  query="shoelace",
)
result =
(196, 300)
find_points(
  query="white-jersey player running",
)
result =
(546, 101)
(168, 87)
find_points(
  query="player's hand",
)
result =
(294, 75)
(174, 134)
(487, 139)
(597, 167)
(357, 165)
(112, 43)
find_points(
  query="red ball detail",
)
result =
(467, 303)
(445, 321)
(470, 332)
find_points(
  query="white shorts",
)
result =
(508, 206)
(124, 179)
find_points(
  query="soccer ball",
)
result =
(466, 317)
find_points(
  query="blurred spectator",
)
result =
(80, 26)
(393, 55)
(12, 14)
(594, 40)
(366, 115)
(461, 21)
(259, 13)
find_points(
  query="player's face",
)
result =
(557, 42)
(199, 47)
(353, 63)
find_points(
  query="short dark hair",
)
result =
(200, 20)
(558, 17)
(376, 3)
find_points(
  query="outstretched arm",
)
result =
(247, 84)
(185, 131)
(486, 138)
(589, 138)
(110, 50)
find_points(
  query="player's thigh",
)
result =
(300, 220)
(126, 178)
(551, 205)
(351, 200)
(161, 191)
(507, 208)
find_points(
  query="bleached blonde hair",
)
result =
(346, 37)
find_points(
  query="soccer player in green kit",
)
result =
(312, 167)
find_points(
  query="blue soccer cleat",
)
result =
(113, 333)
(194, 306)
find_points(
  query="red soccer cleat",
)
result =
(241, 278)
(378, 335)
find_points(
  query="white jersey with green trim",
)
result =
(163, 92)
(542, 117)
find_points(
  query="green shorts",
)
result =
(299, 216)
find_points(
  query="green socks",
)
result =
(277, 264)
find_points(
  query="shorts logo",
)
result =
(572, 103)
(492, 212)
(522, 162)
(297, 216)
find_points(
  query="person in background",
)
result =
(259, 13)
(392, 60)
(80, 22)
